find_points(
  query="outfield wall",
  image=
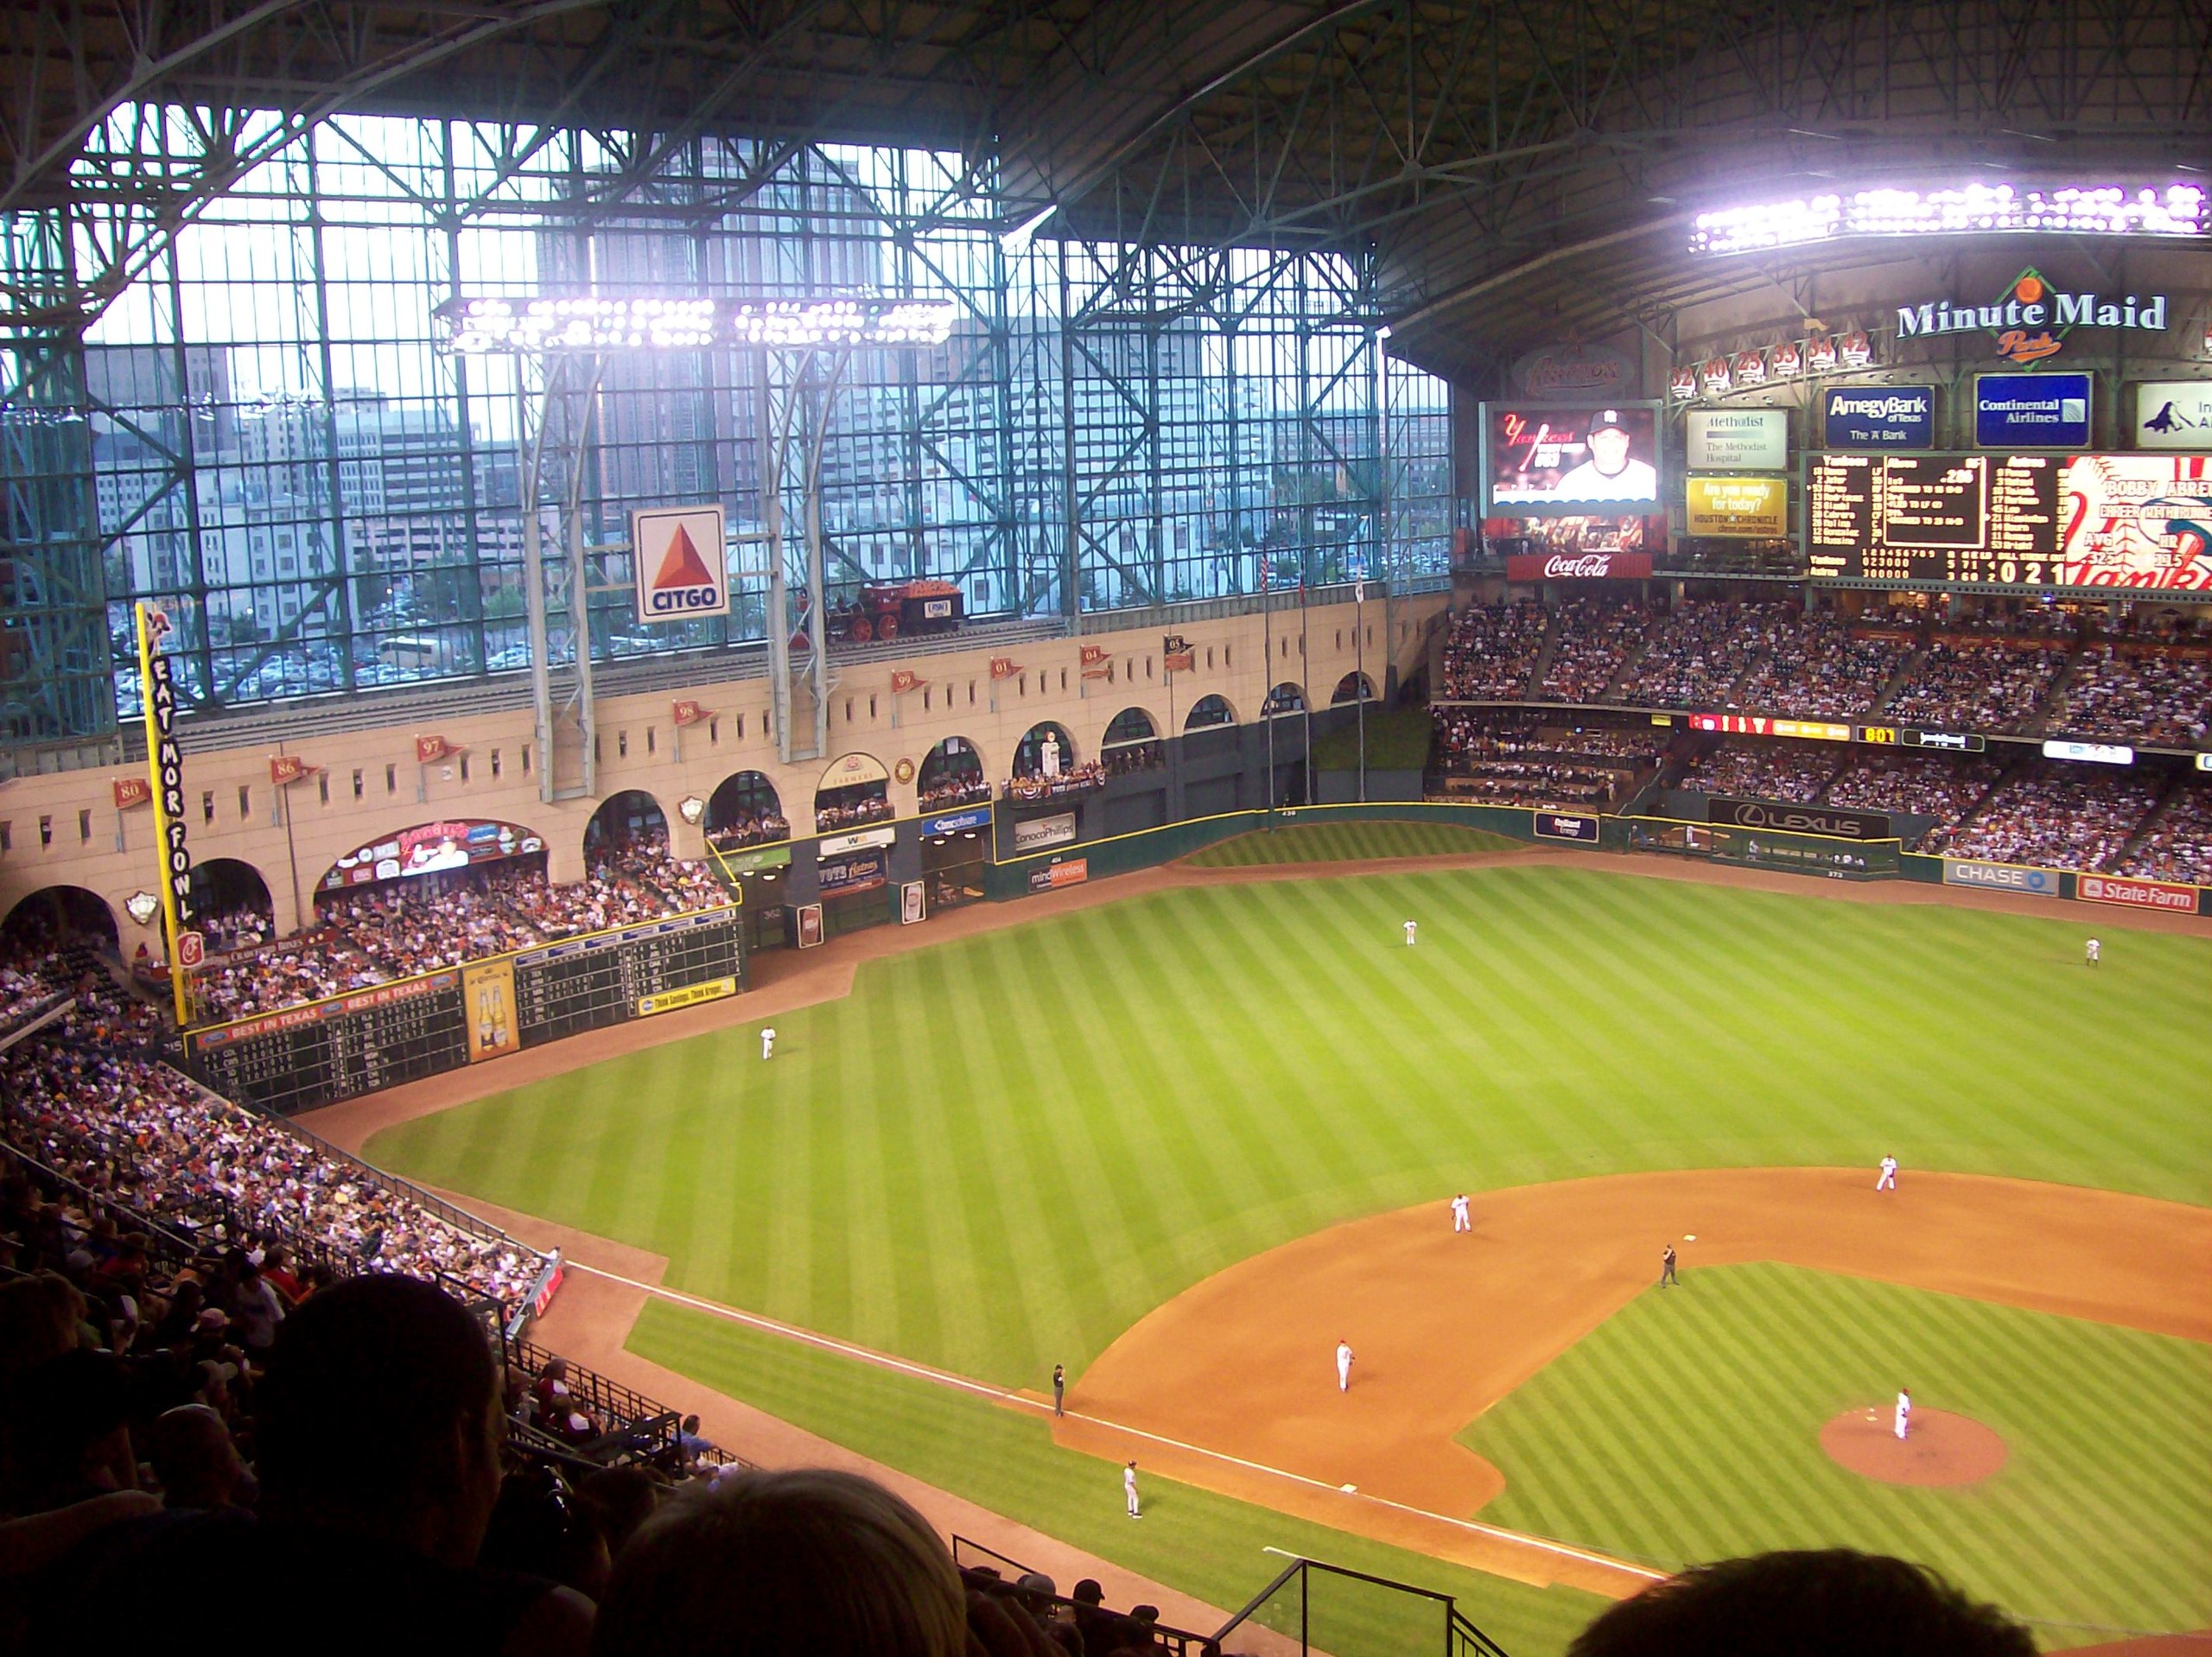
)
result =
(1829, 857)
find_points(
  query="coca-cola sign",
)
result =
(1578, 567)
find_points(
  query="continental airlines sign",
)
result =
(2031, 315)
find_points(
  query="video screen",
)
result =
(1547, 461)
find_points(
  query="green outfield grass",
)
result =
(1004, 1459)
(1001, 1152)
(1687, 1428)
(1331, 843)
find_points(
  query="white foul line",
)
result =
(1001, 1395)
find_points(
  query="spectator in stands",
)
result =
(815, 1561)
(69, 1437)
(1832, 1602)
(196, 1461)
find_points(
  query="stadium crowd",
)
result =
(1523, 760)
(2054, 817)
(763, 828)
(1779, 770)
(1966, 684)
(2148, 697)
(2177, 845)
(1595, 641)
(372, 934)
(1491, 649)
(1822, 668)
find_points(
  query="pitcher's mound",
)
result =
(1944, 1449)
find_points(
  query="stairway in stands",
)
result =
(1548, 648)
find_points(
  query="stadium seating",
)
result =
(424, 923)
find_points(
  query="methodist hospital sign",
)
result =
(2028, 317)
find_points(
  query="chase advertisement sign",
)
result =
(2000, 877)
(1878, 416)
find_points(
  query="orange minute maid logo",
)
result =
(2023, 344)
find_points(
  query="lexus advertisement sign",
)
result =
(1798, 819)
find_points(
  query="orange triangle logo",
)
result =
(681, 566)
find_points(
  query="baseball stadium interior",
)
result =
(798, 796)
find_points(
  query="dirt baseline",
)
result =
(1232, 1384)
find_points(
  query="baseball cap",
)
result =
(1610, 420)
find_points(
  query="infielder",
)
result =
(1667, 1267)
(1410, 930)
(1888, 1181)
(1459, 1220)
(1129, 1490)
(1904, 1414)
(767, 1043)
(2095, 952)
(1344, 1366)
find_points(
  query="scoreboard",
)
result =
(303, 1056)
(1934, 517)
(582, 983)
(2136, 522)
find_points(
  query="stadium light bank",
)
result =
(2182, 211)
(550, 326)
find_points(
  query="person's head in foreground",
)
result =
(1829, 1602)
(380, 1416)
(811, 1560)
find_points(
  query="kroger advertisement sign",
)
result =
(1879, 416)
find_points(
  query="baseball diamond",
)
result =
(1110, 1137)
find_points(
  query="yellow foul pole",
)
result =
(165, 772)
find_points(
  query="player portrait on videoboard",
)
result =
(1543, 459)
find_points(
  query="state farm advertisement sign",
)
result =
(2137, 894)
(1578, 567)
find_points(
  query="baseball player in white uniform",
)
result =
(1904, 1414)
(1459, 1220)
(2095, 952)
(1344, 1366)
(1129, 1490)
(1410, 930)
(1888, 1181)
(767, 1042)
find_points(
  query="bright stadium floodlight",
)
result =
(598, 322)
(2175, 210)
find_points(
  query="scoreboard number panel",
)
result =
(2139, 522)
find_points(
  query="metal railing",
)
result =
(1456, 1634)
(971, 1555)
(640, 1428)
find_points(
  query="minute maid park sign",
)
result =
(2030, 316)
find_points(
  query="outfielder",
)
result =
(1129, 1490)
(767, 1042)
(1459, 1220)
(1410, 930)
(1888, 1181)
(2095, 952)
(1344, 1366)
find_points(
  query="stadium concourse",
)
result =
(784, 791)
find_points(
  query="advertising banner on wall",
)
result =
(1579, 826)
(1573, 370)
(1738, 440)
(1071, 872)
(838, 845)
(1878, 416)
(1035, 833)
(1545, 459)
(2174, 414)
(487, 1003)
(2137, 894)
(1831, 821)
(1742, 508)
(2032, 410)
(1578, 567)
(682, 562)
(952, 823)
(846, 875)
(2000, 877)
